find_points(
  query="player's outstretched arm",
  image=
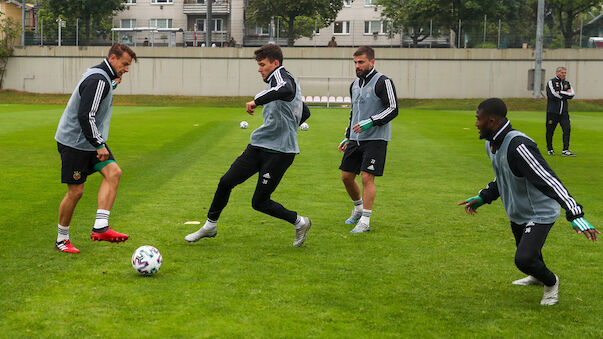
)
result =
(472, 204)
(583, 226)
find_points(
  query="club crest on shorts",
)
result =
(77, 175)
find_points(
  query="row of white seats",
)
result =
(325, 99)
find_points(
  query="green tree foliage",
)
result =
(413, 16)
(566, 15)
(299, 16)
(9, 32)
(94, 15)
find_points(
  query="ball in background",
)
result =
(146, 260)
(304, 127)
(244, 124)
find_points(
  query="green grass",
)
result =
(425, 270)
(515, 104)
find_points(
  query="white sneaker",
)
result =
(551, 294)
(354, 217)
(201, 233)
(361, 228)
(300, 233)
(529, 280)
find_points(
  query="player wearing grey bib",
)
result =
(531, 194)
(272, 148)
(82, 142)
(374, 105)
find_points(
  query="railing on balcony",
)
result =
(218, 38)
(200, 7)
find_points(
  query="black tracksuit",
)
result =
(556, 110)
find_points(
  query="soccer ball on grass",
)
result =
(146, 260)
(304, 127)
(243, 124)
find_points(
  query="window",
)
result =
(341, 27)
(128, 23)
(370, 27)
(130, 2)
(218, 25)
(369, 2)
(347, 3)
(161, 2)
(265, 30)
(161, 23)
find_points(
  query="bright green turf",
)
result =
(425, 270)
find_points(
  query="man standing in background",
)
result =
(558, 91)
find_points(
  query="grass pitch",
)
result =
(425, 270)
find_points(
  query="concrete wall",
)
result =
(417, 73)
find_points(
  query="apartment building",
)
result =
(358, 23)
(183, 22)
(13, 9)
(178, 22)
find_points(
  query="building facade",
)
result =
(358, 23)
(186, 19)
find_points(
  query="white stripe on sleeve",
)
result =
(549, 179)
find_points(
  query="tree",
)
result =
(9, 32)
(298, 15)
(566, 12)
(416, 14)
(413, 15)
(91, 13)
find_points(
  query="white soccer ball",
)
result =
(146, 260)
(304, 127)
(244, 124)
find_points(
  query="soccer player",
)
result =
(558, 91)
(272, 148)
(530, 192)
(374, 105)
(82, 142)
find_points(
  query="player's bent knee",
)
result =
(75, 192)
(526, 262)
(259, 204)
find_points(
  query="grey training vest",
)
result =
(365, 103)
(523, 202)
(281, 120)
(69, 132)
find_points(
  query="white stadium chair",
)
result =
(347, 100)
(324, 98)
(339, 99)
(316, 98)
(331, 99)
(309, 98)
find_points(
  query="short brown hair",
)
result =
(365, 50)
(118, 50)
(270, 51)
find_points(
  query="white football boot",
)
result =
(551, 294)
(354, 217)
(300, 233)
(201, 233)
(361, 228)
(529, 280)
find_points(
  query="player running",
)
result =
(272, 148)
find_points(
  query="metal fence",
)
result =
(489, 33)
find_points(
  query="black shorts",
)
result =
(77, 165)
(367, 156)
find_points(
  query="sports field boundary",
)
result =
(514, 104)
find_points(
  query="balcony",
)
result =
(196, 7)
